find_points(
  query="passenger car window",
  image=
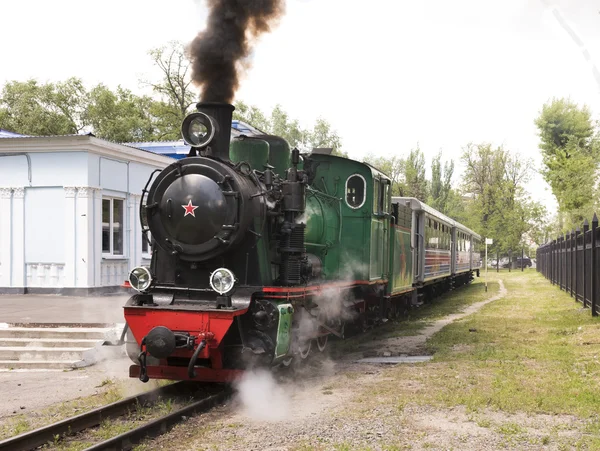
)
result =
(355, 191)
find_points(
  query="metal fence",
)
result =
(571, 262)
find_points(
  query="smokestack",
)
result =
(219, 52)
(222, 114)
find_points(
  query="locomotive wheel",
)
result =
(304, 350)
(322, 342)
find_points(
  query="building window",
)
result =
(112, 226)
(355, 191)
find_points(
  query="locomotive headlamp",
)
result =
(222, 280)
(140, 278)
(198, 129)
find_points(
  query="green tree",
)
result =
(541, 226)
(441, 183)
(461, 208)
(38, 109)
(322, 135)
(175, 94)
(415, 182)
(62, 108)
(571, 154)
(500, 207)
(120, 116)
(279, 123)
(252, 115)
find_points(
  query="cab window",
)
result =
(355, 191)
(385, 197)
(380, 197)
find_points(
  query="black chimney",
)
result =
(222, 114)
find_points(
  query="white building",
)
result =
(69, 213)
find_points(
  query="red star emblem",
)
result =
(189, 209)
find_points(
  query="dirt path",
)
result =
(321, 407)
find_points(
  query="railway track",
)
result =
(125, 441)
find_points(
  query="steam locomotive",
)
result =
(261, 253)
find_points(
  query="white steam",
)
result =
(261, 397)
(335, 303)
(301, 219)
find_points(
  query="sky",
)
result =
(387, 74)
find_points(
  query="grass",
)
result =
(527, 354)
(21, 425)
(536, 351)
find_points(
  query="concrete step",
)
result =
(49, 342)
(9, 365)
(46, 346)
(56, 332)
(32, 354)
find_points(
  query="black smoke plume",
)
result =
(218, 53)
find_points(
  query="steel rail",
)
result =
(159, 426)
(38, 437)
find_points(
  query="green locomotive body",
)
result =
(258, 252)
